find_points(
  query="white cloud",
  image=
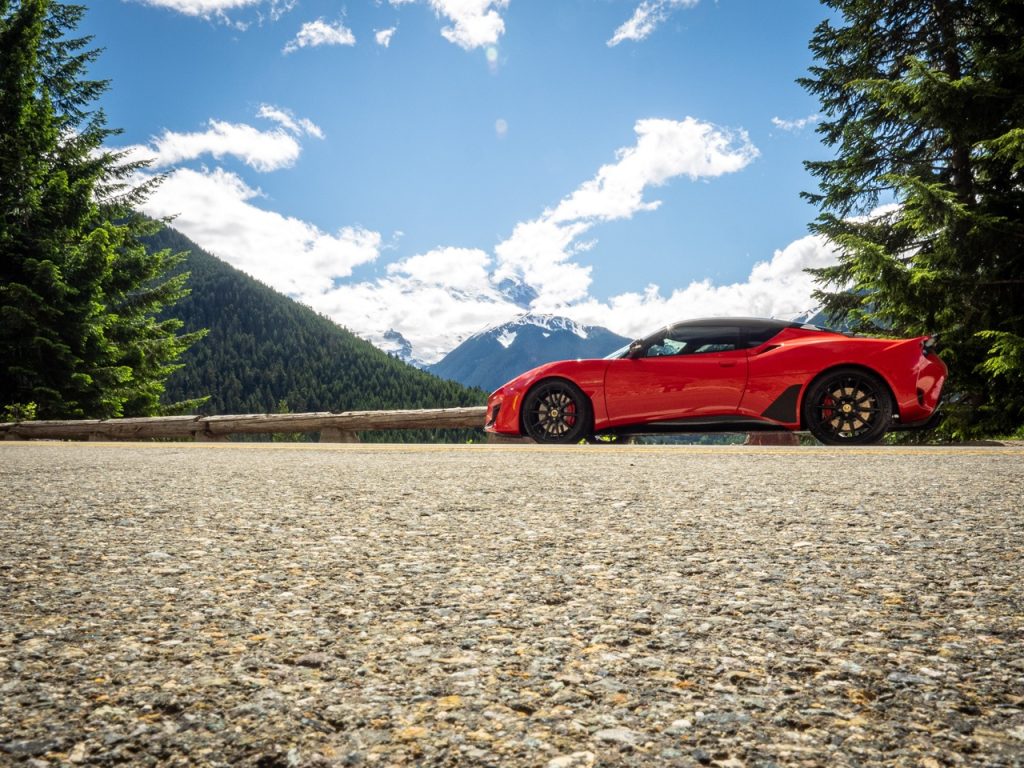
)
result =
(216, 209)
(319, 32)
(539, 251)
(776, 288)
(646, 18)
(261, 150)
(200, 7)
(474, 23)
(432, 317)
(383, 36)
(664, 149)
(279, 8)
(435, 299)
(438, 299)
(462, 269)
(288, 121)
(501, 127)
(218, 9)
(794, 126)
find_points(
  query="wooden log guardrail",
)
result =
(333, 427)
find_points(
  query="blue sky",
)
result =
(396, 163)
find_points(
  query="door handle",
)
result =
(727, 363)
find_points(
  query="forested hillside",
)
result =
(264, 350)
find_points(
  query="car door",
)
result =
(686, 372)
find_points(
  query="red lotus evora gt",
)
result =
(730, 375)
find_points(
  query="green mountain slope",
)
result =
(264, 348)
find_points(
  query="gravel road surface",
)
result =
(268, 605)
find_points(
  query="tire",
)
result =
(557, 411)
(848, 406)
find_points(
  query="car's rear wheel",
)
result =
(848, 406)
(557, 411)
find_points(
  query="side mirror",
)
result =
(635, 349)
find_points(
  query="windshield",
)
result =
(620, 352)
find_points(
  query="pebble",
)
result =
(575, 760)
(618, 736)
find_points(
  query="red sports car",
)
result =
(730, 375)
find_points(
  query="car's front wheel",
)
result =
(848, 406)
(557, 411)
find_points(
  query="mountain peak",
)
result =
(506, 332)
(396, 344)
(493, 356)
(516, 291)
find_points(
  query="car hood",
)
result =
(555, 368)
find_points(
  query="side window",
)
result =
(694, 340)
(755, 337)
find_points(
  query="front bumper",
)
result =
(492, 416)
(503, 413)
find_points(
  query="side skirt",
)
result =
(698, 424)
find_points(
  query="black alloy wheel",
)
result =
(556, 411)
(848, 406)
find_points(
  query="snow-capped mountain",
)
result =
(490, 358)
(516, 291)
(397, 345)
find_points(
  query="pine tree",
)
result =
(924, 105)
(79, 294)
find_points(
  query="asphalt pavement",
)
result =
(293, 605)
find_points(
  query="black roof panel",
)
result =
(758, 323)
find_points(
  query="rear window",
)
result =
(823, 329)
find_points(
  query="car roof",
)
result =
(751, 323)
